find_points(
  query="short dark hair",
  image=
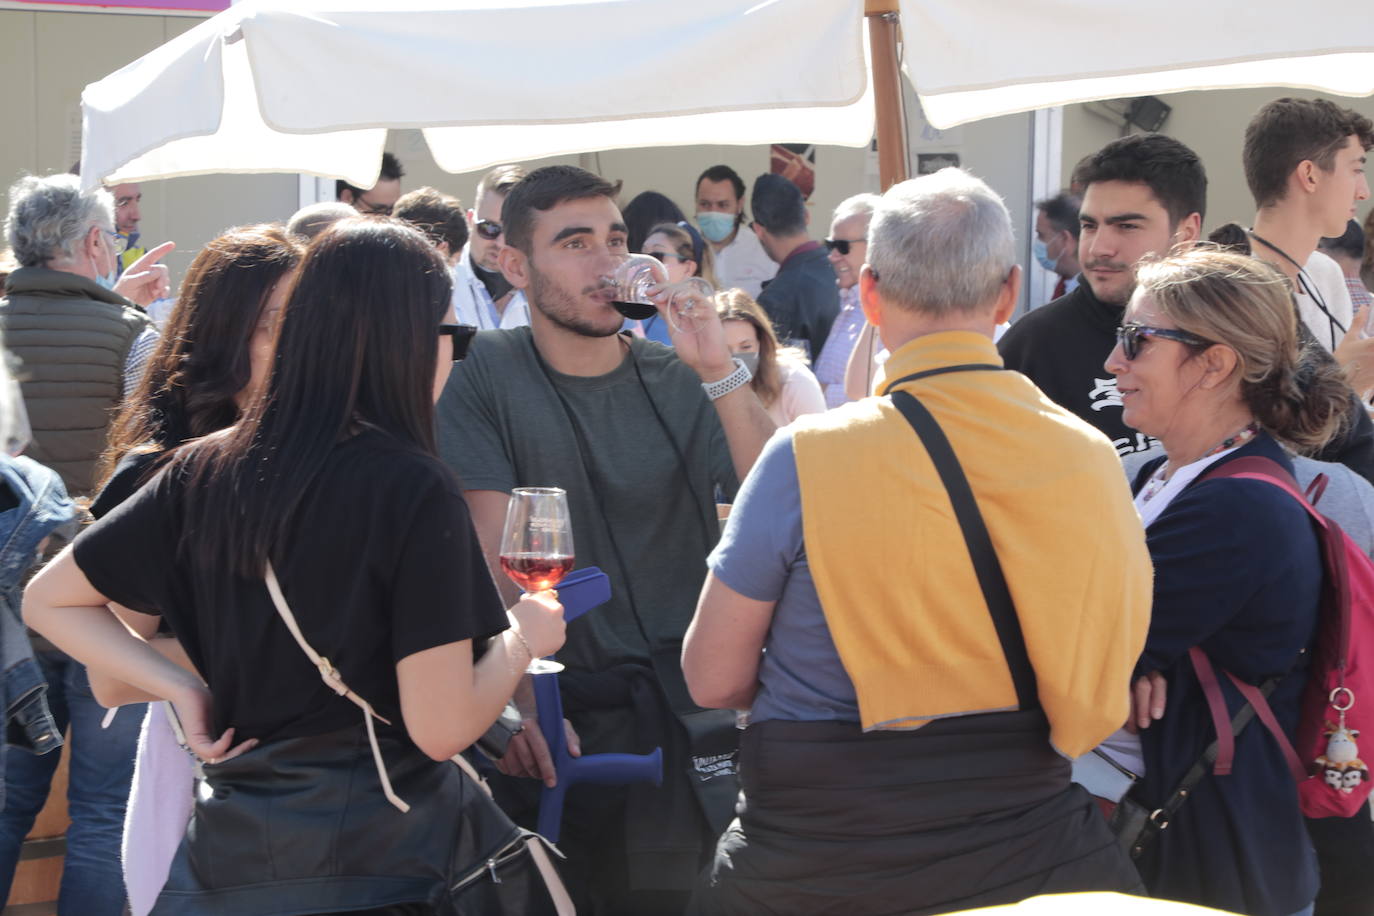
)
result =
(1288, 131)
(1349, 243)
(778, 205)
(542, 190)
(1173, 172)
(391, 171)
(648, 209)
(439, 216)
(722, 173)
(499, 181)
(1061, 211)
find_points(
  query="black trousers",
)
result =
(1345, 856)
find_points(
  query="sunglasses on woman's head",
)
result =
(1132, 336)
(841, 245)
(489, 229)
(461, 335)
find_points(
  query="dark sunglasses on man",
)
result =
(1133, 336)
(841, 245)
(461, 335)
(489, 229)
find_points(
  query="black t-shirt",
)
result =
(381, 562)
(1061, 348)
(132, 472)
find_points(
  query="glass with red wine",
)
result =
(630, 282)
(537, 546)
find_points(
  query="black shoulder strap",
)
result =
(963, 367)
(984, 556)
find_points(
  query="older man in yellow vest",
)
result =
(952, 587)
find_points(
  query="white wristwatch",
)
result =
(737, 379)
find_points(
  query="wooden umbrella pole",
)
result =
(887, 91)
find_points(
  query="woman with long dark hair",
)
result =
(211, 358)
(323, 559)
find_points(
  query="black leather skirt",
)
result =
(301, 826)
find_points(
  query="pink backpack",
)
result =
(1338, 703)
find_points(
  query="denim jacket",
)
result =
(43, 506)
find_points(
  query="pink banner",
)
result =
(115, 6)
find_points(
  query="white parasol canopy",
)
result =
(972, 59)
(312, 85)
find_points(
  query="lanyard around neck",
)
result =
(1305, 283)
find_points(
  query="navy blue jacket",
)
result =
(1237, 571)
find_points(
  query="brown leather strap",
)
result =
(1266, 715)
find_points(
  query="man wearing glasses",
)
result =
(482, 296)
(381, 197)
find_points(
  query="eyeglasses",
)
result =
(842, 245)
(489, 229)
(1131, 336)
(461, 335)
(663, 256)
(368, 208)
(119, 243)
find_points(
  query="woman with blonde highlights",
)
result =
(1208, 361)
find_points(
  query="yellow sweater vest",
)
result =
(894, 576)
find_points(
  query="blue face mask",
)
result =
(1041, 250)
(107, 280)
(717, 226)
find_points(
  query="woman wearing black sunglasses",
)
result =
(323, 519)
(683, 253)
(1208, 361)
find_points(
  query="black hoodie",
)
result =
(1061, 347)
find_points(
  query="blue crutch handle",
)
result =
(604, 769)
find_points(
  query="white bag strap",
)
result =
(331, 677)
(562, 901)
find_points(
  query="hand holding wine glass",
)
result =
(537, 548)
(538, 618)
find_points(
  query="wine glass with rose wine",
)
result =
(537, 546)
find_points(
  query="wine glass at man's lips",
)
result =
(629, 282)
(537, 542)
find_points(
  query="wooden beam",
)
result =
(887, 100)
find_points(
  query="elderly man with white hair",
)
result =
(80, 343)
(847, 245)
(915, 563)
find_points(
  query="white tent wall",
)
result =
(47, 58)
(1211, 123)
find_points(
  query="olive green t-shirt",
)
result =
(642, 503)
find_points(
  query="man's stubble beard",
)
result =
(555, 304)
